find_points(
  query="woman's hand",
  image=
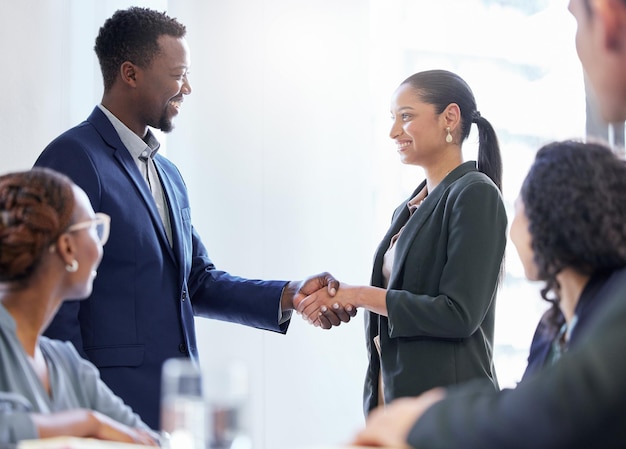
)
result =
(320, 305)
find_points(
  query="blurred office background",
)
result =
(285, 150)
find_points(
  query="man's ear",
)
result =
(611, 16)
(128, 73)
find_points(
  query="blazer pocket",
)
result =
(103, 357)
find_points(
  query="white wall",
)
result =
(275, 150)
(275, 146)
(34, 107)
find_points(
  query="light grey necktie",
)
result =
(146, 158)
(152, 178)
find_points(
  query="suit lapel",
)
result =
(400, 217)
(176, 250)
(417, 220)
(129, 166)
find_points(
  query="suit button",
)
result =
(182, 348)
(184, 296)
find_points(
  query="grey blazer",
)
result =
(441, 293)
(75, 383)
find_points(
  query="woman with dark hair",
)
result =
(570, 231)
(578, 402)
(50, 246)
(431, 302)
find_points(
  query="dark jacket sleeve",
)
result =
(577, 403)
(467, 276)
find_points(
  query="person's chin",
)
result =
(83, 294)
(614, 115)
(166, 125)
(531, 274)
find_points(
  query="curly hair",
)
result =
(574, 197)
(132, 35)
(36, 207)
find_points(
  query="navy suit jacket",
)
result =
(146, 294)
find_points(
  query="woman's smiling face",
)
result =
(417, 129)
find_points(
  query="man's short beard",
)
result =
(165, 124)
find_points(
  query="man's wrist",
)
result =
(286, 297)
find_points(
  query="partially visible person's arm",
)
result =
(92, 393)
(349, 297)
(18, 423)
(389, 425)
(576, 403)
(89, 424)
(299, 293)
(475, 244)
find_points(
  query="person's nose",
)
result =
(395, 131)
(186, 89)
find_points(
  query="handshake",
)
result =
(320, 301)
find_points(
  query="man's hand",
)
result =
(296, 291)
(320, 305)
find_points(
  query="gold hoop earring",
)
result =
(73, 267)
(448, 136)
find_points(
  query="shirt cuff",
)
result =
(283, 317)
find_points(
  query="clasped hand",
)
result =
(322, 302)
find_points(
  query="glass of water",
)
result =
(183, 412)
(226, 393)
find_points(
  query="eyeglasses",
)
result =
(101, 223)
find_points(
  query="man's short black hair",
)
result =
(132, 35)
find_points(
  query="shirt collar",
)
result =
(141, 149)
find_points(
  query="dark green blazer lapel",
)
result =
(417, 220)
(399, 219)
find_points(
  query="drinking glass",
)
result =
(226, 392)
(183, 412)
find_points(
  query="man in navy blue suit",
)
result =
(156, 274)
(580, 402)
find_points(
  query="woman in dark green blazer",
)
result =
(431, 303)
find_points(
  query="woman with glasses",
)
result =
(50, 247)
